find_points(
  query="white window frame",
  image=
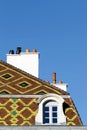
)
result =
(50, 105)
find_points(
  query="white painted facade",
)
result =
(28, 62)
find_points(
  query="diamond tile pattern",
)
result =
(23, 84)
(6, 76)
(71, 113)
(14, 81)
(22, 111)
(19, 112)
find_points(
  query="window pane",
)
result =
(54, 108)
(45, 121)
(54, 120)
(46, 108)
(46, 114)
(54, 114)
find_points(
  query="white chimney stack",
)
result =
(26, 61)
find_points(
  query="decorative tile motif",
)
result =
(6, 76)
(15, 82)
(22, 111)
(17, 111)
(71, 114)
(41, 92)
(4, 92)
(23, 84)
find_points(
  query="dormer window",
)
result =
(50, 110)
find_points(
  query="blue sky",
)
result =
(58, 30)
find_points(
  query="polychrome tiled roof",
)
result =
(22, 110)
(16, 81)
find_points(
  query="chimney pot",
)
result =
(34, 50)
(54, 78)
(27, 50)
(11, 52)
(60, 82)
(18, 50)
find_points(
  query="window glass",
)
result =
(50, 113)
(54, 120)
(54, 108)
(54, 114)
(46, 114)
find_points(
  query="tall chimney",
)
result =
(54, 78)
(26, 61)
